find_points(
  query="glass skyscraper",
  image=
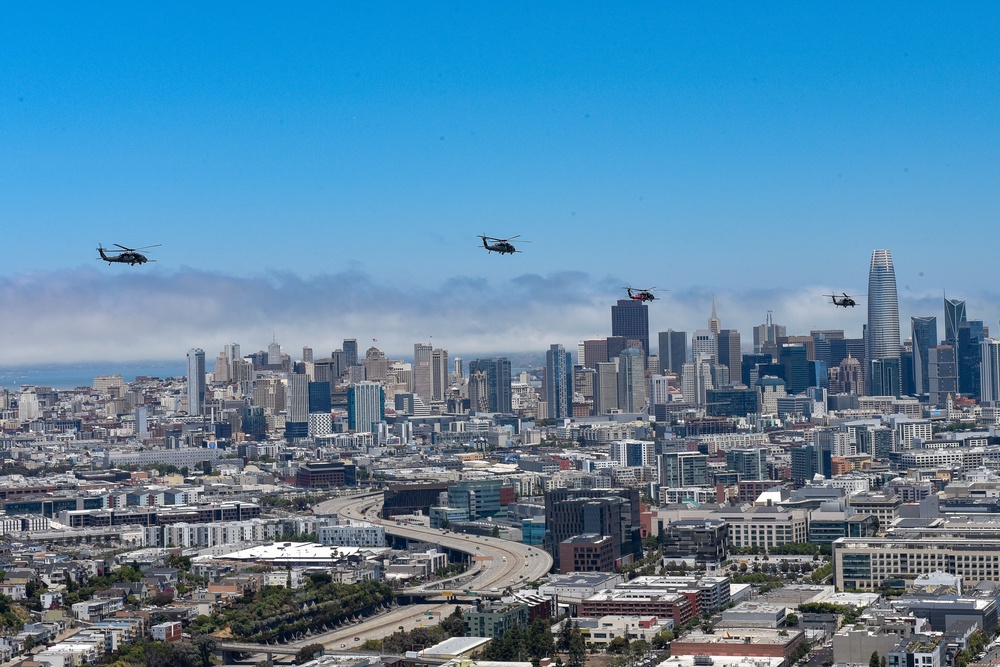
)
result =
(882, 334)
(630, 320)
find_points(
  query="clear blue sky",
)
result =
(755, 150)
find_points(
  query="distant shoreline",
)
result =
(73, 375)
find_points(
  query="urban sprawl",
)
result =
(803, 498)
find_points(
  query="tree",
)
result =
(206, 647)
(792, 620)
(874, 660)
(577, 647)
(308, 652)
(454, 623)
(565, 636)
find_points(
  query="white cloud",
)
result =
(91, 315)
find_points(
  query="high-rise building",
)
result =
(796, 366)
(630, 320)
(375, 364)
(606, 388)
(422, 371)
(924, 337)
(319, 397)
(990, 371)
(595, 351)
(971, 335)
(765, 336)
(704, 344)
(672, 351)
(750, 463)
(680, 469)
(297, 398)
(728, 341)
(882, 332)
(307, 355)
(885, 378)
(439, 374)
(631, 381)
(365, 406)
(612, 512)
(351, 350)
(714, 323)
(942, 374)
(492, 377)
(558, 382)
(954, 315)
(274, 353)
(196, 381)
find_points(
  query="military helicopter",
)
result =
(130, 256)
(843, 302)
(641, 294)
(502, 246)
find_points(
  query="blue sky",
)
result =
(335, 161)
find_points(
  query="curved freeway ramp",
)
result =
(503, 564)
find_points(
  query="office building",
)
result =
(606, 388)
(728, 343)
(611, 512)
(882, 332)
(672, 350)
(954, 315)
(350, 353)
(751, 464)
(422, 353)
(595, 351)
(365, 406)
(968, 356)
(704, 344)
(682, 469)
(943, 372)
(990, 371)
(196, 381)
(923, 336)
(558, 382)
(439, 374)
(885, 377)
(631, 381)
(795, 363)
(765, 336)
(319, 397)
(630, 320)
(489, 385)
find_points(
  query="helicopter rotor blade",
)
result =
(147, 247)
(123, 247)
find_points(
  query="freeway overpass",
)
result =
(502, 564)
(512, 565)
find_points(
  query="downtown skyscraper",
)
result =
(558, 382)
(196, 381)
(882, 333)
(630, 320)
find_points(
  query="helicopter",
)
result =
(641, 295)
(130, 256)
(502, 246)
(844, 301)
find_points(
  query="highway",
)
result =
(507, 565)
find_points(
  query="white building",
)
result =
(353, 534)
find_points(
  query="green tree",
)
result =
(308, 652)
(874, 660)
(577, 648)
